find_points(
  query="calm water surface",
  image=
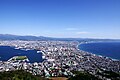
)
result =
(7, 52)
(108, 49)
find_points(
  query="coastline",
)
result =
(20, 52)
(78, 47)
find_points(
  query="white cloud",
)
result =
(82, 32)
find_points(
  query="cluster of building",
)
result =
(60, 59)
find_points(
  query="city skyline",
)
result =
(61, 18)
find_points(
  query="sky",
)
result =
(61, 18)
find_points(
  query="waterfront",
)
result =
(60, 59)
(108, 49)
(7, 52)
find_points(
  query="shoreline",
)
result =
(21, 53)
(78, 47)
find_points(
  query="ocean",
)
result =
(108, 49)
(7, 52)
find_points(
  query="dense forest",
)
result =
(19, 75)
(23, 75)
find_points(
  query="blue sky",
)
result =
(61, 18)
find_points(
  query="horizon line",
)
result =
(60, 37)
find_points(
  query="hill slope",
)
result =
(19, 75)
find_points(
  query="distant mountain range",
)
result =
(17, 37)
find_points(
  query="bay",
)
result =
(7, 52)
(108, 49)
